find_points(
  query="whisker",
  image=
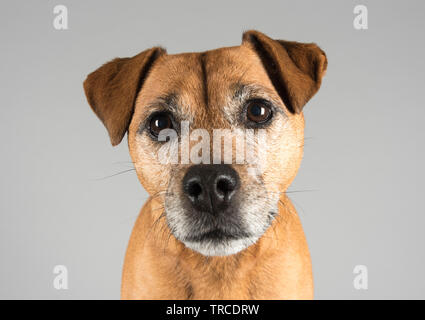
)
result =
(299, 191)
(115, 174)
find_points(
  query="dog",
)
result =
(213, 230)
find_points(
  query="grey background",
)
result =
(363, 156)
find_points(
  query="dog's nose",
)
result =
(211, 188)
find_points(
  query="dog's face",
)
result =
(214, 205)
(215, 209)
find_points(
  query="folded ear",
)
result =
(112, 89)
(295, 69)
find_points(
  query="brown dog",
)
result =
(213, 231)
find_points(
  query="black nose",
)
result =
(212, 187)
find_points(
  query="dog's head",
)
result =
(179, 110)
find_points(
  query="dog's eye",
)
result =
(160, 122)
(258, 112)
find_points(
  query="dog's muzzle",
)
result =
(215, 212)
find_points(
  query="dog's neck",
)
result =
(276, 266)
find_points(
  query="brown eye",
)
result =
(160, 122)
(258, 112)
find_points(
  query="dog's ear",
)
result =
(295, 69)
(112, 89)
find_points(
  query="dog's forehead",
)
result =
(203, 79)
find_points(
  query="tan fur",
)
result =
(277, 266)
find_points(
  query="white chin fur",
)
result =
(219, 249)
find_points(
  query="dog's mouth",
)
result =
(217, 235)
(210, 237)
(218, 242)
